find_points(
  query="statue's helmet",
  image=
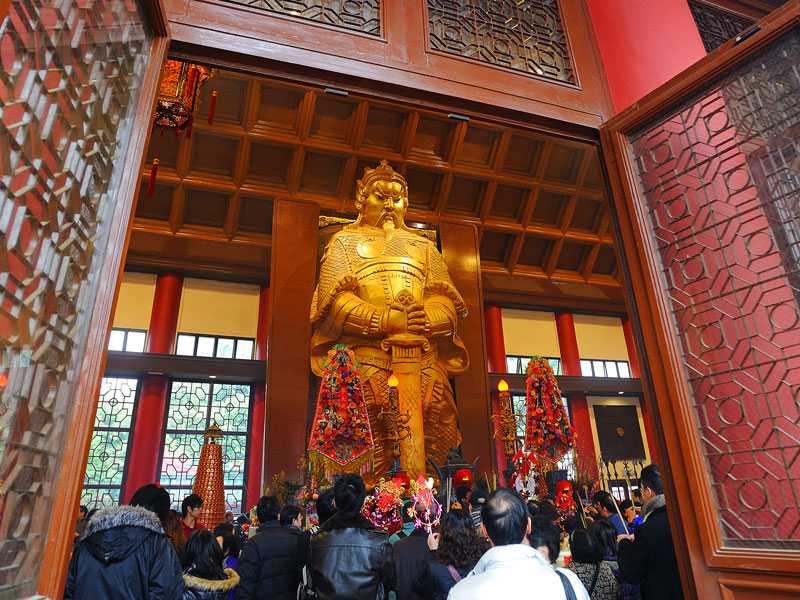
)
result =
(383, 172)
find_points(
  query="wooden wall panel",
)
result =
(293, 274)
(460, 251)
(401, 56)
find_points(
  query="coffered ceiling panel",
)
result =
(537, 199)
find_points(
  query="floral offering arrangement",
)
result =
(383, 508)
(341, 438)
(424, 497)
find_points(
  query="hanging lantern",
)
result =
(180, 85)
(209, 481)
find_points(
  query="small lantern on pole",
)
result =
(506, 431)
(397, 429)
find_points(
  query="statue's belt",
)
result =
(379, 359)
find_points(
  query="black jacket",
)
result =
(271, 564)
(410, 555)
(650, 560)
(123, 554)
(435, 581)
(350, 560)
(197, 588)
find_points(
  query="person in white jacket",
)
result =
(511, 564)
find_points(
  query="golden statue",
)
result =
(385, 292)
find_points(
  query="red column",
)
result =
(164, 316)
(643, 44)
(255, 459)
(633, 359)
(630, 344)
(148, 422)
(496, 358)
(578, 407)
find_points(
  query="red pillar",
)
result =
(630, 344)
(496, 358)
(633, 359)
(148, 422)
(643, 44)
(164, 315)
(578, 406)
(255, 460)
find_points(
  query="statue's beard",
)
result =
(389, 222)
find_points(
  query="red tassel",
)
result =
(151, 185)
(213, 107)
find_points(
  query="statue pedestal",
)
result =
(407, 352)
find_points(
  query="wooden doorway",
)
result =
(705, 175)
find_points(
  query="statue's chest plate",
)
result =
(376, 246)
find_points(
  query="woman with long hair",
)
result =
(589, 563)
(455, 550)
(205, 578)
(174, 531)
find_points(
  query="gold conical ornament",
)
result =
(209, 481)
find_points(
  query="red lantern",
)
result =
(462, 477)
(401, 479)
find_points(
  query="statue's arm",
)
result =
(440, 314)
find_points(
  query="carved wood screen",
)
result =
(707, 198)
(70, 80)
(523, 35)
(357, 15)
(717, 25)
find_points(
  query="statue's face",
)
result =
(384, 204)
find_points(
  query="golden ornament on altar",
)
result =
(209, 482)
(177, 93)
(384, 291)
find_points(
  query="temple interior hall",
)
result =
(549, 235)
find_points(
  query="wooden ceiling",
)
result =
(537, 199)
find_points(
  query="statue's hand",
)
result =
(417, 320)
(395, 319)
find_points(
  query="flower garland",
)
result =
(548, 433)
(341, 438)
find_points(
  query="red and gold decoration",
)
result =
(341, 438)
(506, 425)
(383, 507)
(426, 509)
(548, 433)
(565, 500)
(177, 94)
(209, 482)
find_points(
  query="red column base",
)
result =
(148, 427)
(255, 459)
(586, 458)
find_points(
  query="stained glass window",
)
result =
(193, 406)
(193, 344)
(108, 451)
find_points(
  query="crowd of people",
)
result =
(486, 545)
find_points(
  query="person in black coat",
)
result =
(271, 563)
(454, 552)
(123, 554)
(205, 578)
(648, 558)
(349, 559)
(410, 555)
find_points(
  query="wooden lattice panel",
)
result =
(717, 25)
(523, 35)
(537, 199)
(357, 15)
(70, 73)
